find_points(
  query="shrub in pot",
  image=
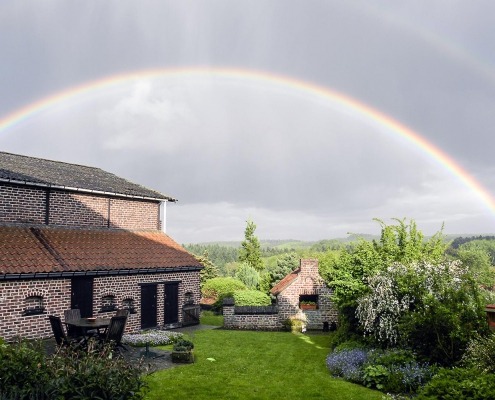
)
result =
(182, 351)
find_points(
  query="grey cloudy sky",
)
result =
(299, 165)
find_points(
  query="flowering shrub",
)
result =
(152, 338)
(393, 371)
(480, 354)
(433, 308)
(347, 364)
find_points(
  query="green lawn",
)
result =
(255, 365)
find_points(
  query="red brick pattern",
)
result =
(56, 298)
(304, 281)
(22, 205)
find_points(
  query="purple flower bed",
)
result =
(347, 364)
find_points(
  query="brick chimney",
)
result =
(309, 267)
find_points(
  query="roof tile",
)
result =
(88, 250)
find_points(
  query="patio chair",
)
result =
(70, 315)
(115, 331)
(122, 313)
(58, 331)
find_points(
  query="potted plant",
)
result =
(182, 351)
(307, 305)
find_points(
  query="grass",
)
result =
(210, 318)
(255, 365)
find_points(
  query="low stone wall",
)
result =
(270, 319)
(250, 321)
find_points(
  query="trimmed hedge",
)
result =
(251, 298)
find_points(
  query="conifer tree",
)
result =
(250, 251)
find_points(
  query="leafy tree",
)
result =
(250, 251)
(209, 271)
(285, 265)
(434, 309)
(248, 275)
(348, 273)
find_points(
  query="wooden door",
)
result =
(171, 303)
(82, 295)
(148, 306)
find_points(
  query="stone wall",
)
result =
(265, 322)
(307, 283)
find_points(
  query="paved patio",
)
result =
(153, 360)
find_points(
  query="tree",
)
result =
(248, 275)
(403, 243)
(250, 251)
(285, 265)
(209, 270)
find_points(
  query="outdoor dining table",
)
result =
(87, 324)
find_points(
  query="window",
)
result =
(108, 303)
(33, 305)
(188, 298)
(308, 302)
(128, 304)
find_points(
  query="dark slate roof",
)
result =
(38, 250)
(40, 172)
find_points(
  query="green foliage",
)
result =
(251, 298)
(220, 255)
(459, 383)
(402, 243)
(183, 345)
(248, 275)
(210, 270)
(293, 325)
(250, 251)
(285, 264)
(23, 371)
(480, 354)
(434, 309)
(26, 373)
(477, 256)
(220, 288)
(394, 371)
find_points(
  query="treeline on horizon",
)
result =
(223, 254)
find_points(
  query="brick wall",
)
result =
(308, 282)
(20, 204)
(56, 294)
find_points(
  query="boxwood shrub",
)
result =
(251, 298)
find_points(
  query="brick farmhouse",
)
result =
(73, 236)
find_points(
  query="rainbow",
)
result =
(248, 76)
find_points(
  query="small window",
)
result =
(188, 298)
(308, 302)
(33, 305)
(108, 303)
(128, 304)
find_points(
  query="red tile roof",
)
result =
(25, 250)
(286, 281)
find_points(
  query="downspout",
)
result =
(163, 216)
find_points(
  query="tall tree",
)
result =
(250, 251)
(210, 270)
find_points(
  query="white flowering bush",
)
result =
(152, 338)
(433, 308)
(380, 310)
